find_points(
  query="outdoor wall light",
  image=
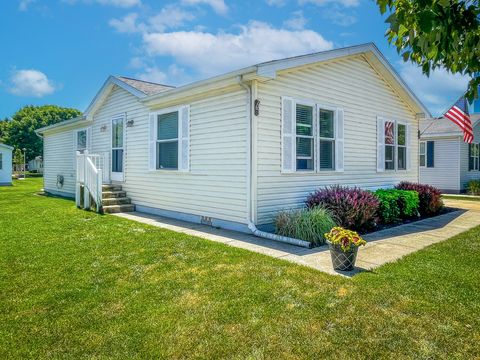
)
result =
(130, 123)
(256, 107)
(103, 128)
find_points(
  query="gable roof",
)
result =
(269, 70)
(441, 127)
(6, 146)
(146, 87)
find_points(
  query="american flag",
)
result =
(458, 113)
(389, 133)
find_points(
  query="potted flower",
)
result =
(343, 246)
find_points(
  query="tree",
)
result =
(437, 33)
(20, 130)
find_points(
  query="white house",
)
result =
(445, 160)
(36, 164)
(233, 150)
(5, 164)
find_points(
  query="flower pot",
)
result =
(341, 260)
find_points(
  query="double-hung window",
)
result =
(326, 139)
(170, 139)
(167, 141)
(81, 140)
(304, 137)
(473, 157)
(393, 145)
(426, 154)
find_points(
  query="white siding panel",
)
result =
(215, 185)
(351, 84)
(446, 170)
(465, 175)
(6, 169)
(58, 155)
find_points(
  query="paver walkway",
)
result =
(382, 246)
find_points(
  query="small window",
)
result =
(304, 137)
(401, 147)
(167, 141)
(389, 145)
(117, 145)
(81, 141)
(422, 154)
(1, 161)
(474, 156)
(326, 132)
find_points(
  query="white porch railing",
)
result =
(92, 172)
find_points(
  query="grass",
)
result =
(74, 284)
(467, 198)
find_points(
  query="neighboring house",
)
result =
(445, 160)
(36, 165)
(5, 164)
(234, 150)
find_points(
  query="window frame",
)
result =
(476, 159)
(395, 145)
(332, 140)
(312, 105)
(157, 114)
(424, 154)
(77, 131)
(316, 107)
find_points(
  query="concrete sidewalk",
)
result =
(382, 246)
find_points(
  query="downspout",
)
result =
(251, 224)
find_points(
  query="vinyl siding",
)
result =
(349, 83)
(58, 155)
(446, 171)
(465, 174)
(215, 186)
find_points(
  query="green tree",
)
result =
(20, 130)
(437, 33)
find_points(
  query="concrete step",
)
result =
(113, 209)
(116, 201)
(111, 187)
(113, 194)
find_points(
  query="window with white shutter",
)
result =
(169, 139)
(393, 145)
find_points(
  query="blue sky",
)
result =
(61, 51)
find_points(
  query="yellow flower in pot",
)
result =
(343, 246)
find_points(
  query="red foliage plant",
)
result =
(430, 197)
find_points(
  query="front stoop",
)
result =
(115, 200)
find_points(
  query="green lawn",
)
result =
(74, 284)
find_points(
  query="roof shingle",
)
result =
(146, 87)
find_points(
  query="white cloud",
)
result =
(117, 3)
(297, 21)
(211, 54)
(24, 4)
(218, 6)
(168, 18)
(344, 3)
(31, 83)
(152, 74)
(338, 16)
(438, 91)
(127, 24)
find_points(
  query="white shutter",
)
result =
(408, 143)
(288, 135)
(380, 144)
(89, 139)
(339, 140)
(184, 138)
(152, 158)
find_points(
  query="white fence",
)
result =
(92, 172)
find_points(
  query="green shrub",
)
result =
(473, 187)
(396, 205)
(305, 224)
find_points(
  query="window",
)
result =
(427, 154)
(167, 141)
(1, 161)
(304, 137)
(81, 140)
(473, 157)
(326, 133)
(117, 145)
(395, 141)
